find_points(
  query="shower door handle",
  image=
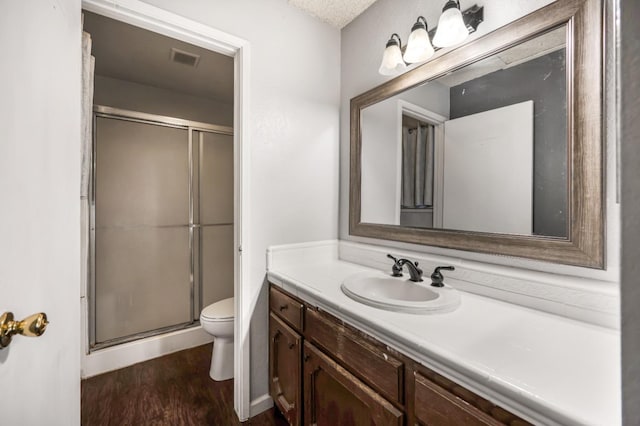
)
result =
(32, 326)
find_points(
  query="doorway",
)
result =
(161, 198)
(159, 21)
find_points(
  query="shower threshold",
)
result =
(143, 335)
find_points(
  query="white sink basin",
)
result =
(399, 294)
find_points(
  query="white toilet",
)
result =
(217, 319)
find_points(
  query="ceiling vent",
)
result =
(184, 58)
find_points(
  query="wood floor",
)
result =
(171, 390)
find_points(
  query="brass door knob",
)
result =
(32, 326)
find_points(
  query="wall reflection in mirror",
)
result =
(483, 148)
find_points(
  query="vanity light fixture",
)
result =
(392, 62)
(419, 46)
(451, 27)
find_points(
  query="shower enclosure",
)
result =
(161, 231)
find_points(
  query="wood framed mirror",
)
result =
(495, 146)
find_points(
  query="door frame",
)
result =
(437, 121)
(160, 21)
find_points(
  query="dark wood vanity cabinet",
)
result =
(325, 372)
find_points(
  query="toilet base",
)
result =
(222, 359)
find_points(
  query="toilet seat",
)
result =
(223, 310)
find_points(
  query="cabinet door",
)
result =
(285, 357)
(335, 397)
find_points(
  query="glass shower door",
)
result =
(215, 216)
(142, 234)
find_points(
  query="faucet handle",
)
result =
(437, 278)
(396, 269)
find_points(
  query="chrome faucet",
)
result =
(414, 271)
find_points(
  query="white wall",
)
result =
(381, 153)
(363, 42)
(294, 120)
(40, 208)
(124, 94)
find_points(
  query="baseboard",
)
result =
(260, 404)
(127, 354)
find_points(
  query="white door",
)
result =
(488, 171)
(40, 208)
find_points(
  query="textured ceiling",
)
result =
(335, 12)
(130, 53)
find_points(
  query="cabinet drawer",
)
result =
(439, 401)
(287, 308)
(435, 406)
(372, 364)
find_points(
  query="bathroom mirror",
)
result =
(494, 146)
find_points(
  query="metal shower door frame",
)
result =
(194, 252)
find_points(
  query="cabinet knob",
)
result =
(284, 308)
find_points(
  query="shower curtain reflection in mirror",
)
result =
(417, 173)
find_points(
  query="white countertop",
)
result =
(545, 368)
